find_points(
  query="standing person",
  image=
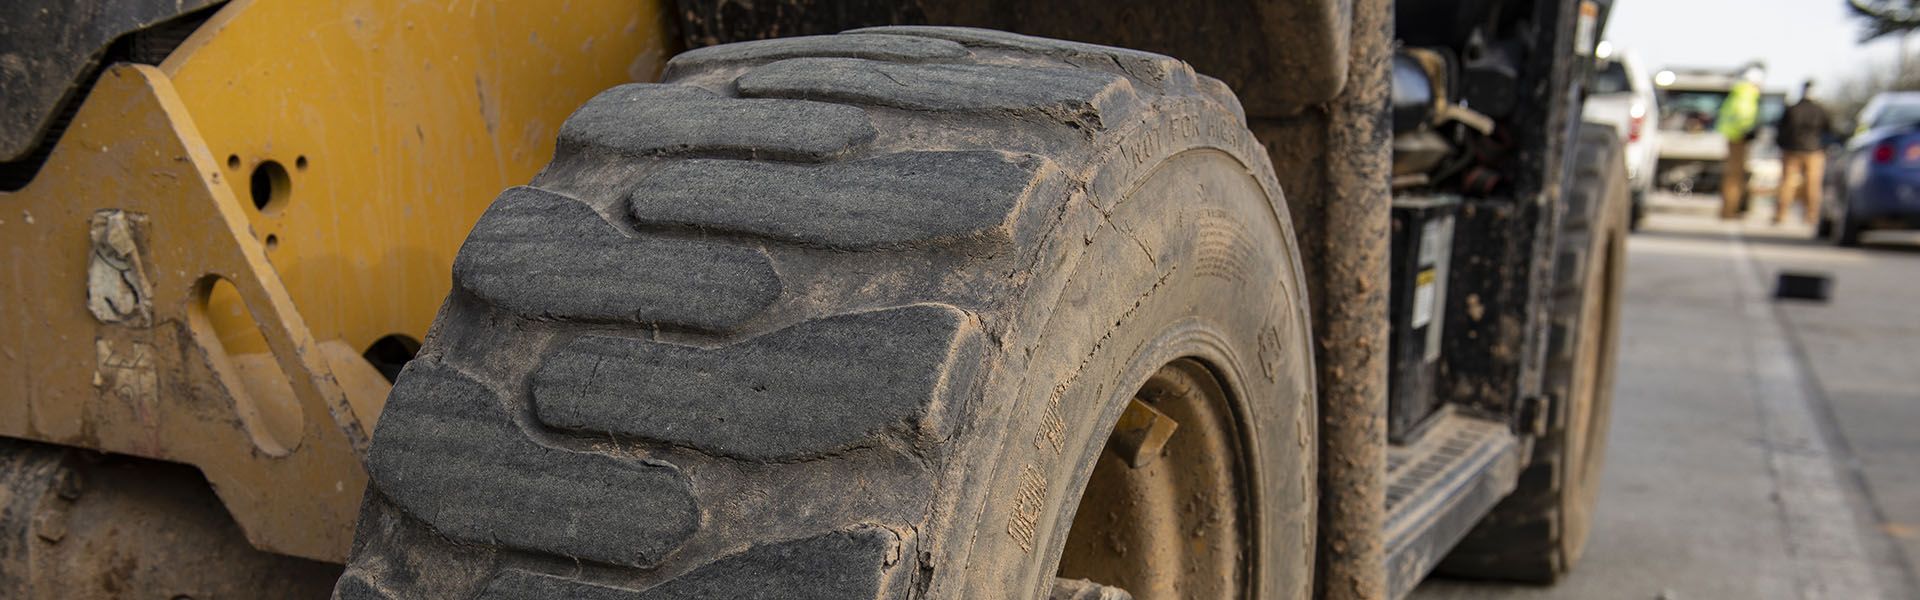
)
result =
(1803, 158)
(1737, 121)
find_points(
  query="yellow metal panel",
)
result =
(159, 385)
(394, 124)
(409, 117)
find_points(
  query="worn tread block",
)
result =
(1569, 270)
(1082, 95)
(514, 584)
(890, 200)
(353, 587)
(812, 389)
(546, 256)
(891, 48)
(1560, 341)
(447, 453)
(1220, 92)
(644, 119)
(1133, 63)
(845, 565)
(1578, 207)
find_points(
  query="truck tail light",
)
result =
(1634, 126)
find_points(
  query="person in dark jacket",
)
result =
(1803, 157)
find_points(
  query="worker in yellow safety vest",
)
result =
(1738, 122)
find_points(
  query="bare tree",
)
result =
(1845, 97)
(1878, 19)
(1881, 18)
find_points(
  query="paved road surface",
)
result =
(1759, 449)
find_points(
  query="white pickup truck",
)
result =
(1691, 152)
(1622, 95)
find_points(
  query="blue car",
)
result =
(1874, 182)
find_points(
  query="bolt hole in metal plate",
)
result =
(238, 352)
(270, 185)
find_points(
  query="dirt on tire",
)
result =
(843, 316)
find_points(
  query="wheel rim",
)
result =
(1177, 525)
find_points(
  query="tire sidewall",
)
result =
(1847, 230)
(1156, 260)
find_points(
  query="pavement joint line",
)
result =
(1901, 564)
(1822, 525)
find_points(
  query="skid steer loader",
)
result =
(799, 298)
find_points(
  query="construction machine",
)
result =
(800, 299)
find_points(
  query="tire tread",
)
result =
(739, 216)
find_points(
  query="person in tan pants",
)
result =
(1802, 178)
(1803, 159)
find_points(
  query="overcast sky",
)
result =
(1796, 38)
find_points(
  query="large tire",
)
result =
(1538, 533)
(1846, 232)
(853, 316)
(1638, 214)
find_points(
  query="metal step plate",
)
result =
(1439, 486)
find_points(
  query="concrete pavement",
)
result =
(1759, 449)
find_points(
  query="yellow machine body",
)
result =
(196, 270)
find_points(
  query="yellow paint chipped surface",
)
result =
(395, 123)
(410, 117)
